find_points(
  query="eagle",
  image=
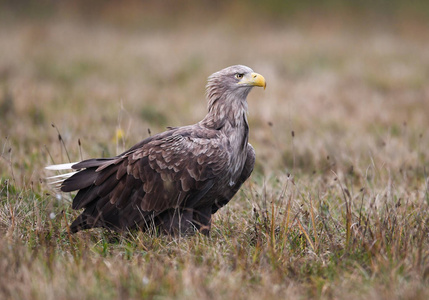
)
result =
(176, 180)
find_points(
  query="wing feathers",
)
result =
(85, 196)
(130, 189)
(161, 174)
(122, 169)
(90, 163)
(80, 180)
(106, 173)
(107, 186)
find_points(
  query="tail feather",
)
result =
(57, 180)
(61, 167)
(61, 176)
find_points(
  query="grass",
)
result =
(338, 204)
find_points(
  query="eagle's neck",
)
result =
(226, 113)
(229, 116)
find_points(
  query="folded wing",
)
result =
(171, 170)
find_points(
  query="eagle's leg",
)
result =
(202, 219)
(177, 221)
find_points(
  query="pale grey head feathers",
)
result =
(234, 82)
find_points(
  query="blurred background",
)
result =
(347, 81)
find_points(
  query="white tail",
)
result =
(60, 167)
(57, 180)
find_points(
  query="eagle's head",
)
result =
(234, 82)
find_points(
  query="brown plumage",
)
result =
(177, 179)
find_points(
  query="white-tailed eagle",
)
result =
(177, 179)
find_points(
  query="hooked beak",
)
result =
(254, 79)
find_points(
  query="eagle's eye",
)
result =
(238, 76)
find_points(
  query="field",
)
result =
(338, 204)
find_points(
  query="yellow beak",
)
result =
(254, 79)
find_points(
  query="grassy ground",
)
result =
(338, 205)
